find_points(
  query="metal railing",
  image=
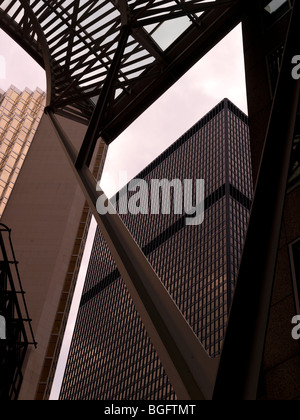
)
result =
(17, 329)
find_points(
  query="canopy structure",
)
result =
(135, 50)
(106, 62)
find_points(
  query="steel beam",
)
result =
(11, 28)
(190, 370)
(107, 91)
(243, 349)
(179, 58)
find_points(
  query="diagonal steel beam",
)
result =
(92, 133)
(191, 47)
(122, 5)
(243, 349)
(72, 35)
(160, 15)
(189, 368)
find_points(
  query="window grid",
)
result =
(111, 355)
(20, 114)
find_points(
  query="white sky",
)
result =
(17, 67)
(220, 74)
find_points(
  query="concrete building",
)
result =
(48, 221)
(57, 334)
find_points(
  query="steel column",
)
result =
(243, 349)
(191, 372)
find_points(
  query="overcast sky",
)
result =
(19, 69)
(220, 74)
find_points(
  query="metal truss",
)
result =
(19, 334)
(77, 43)
(105, 65)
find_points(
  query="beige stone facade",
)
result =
(20, 115)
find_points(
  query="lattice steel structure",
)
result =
(125, 52)
(106, 62)
(19, 334)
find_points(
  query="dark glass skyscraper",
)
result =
(111, 355)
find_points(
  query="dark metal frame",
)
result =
(243, 349)
(296, 282)
(188, 366)
(47, 31)
(117, 55)
(18, 324)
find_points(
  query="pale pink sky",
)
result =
(220, 74)
(20, 69)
